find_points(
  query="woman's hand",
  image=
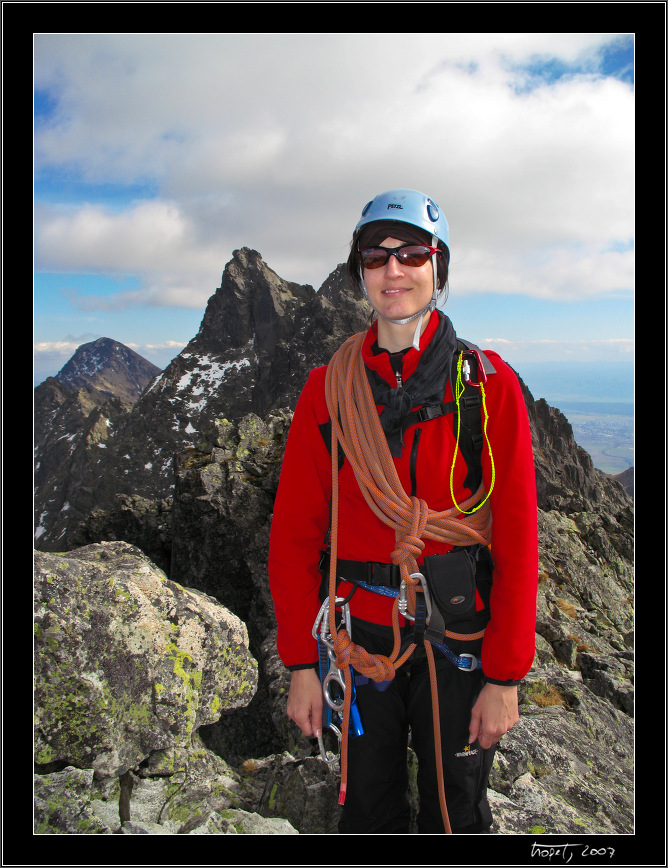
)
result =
(494, 713)
(305, 701)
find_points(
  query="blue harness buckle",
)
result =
(467, 662)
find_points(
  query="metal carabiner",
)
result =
(403, 600)
(320, 618)
(321, 743)
(466, 369)
(321, 624)
(335, 676)
(345, 612)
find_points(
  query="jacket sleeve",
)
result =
(299, 525)
(509, 642)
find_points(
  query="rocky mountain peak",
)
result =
(108, 368)
(259, 338)
(250, 307)
(76, 413)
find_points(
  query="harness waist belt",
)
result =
(379, 574)
(369, 572)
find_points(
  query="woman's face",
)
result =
(398, 291)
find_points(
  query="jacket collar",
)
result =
(379, 361)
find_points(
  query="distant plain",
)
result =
(598, 401)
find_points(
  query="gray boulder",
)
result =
(128, 664)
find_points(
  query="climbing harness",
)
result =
(355, 425)
(436, 631)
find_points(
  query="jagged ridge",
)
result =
(259, 338)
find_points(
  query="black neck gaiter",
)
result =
(425, 386)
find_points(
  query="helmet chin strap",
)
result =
(420, 315)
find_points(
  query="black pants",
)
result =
(377, 791)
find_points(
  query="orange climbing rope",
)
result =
(356, 426)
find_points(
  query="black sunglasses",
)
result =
(412, 255)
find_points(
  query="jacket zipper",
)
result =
(413, 464)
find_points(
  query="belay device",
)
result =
(333, 679)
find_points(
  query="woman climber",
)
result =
(407, 502)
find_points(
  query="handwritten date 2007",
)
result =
(565, 852)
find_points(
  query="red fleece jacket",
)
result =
(302, 514)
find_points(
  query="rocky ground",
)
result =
(567, 767)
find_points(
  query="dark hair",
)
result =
(374, 233)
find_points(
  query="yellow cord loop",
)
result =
(459, 391)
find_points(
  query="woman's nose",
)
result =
(393, 266)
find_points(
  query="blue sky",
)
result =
(157, 155)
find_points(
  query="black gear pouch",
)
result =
(451, 579)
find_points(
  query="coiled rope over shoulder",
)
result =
(356, 426)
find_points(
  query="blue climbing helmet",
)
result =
(407, 206)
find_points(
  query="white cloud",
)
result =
(624, 345)
(153, 239)
(63, 348)
(520, 352)
(558, 272)
(276, 141)
(144, 234)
